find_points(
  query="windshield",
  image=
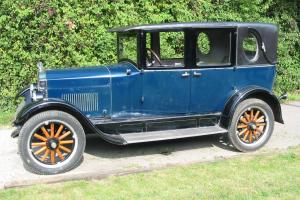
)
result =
(127, 47)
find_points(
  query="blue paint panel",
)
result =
(210, 90)
(80, 86)
(262, 76)
(165, 92)
(126, 91)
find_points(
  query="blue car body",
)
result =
(129, 97)
(114, 94)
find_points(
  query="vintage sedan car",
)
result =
(175, 80)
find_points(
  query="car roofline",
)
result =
(190, 25)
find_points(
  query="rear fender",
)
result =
(246, 93)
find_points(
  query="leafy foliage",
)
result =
(73, 33)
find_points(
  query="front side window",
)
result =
(127, 47)
(213, 48)
(165, 49)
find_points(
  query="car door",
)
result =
(166, 91)
(212, 79)
(210, 89)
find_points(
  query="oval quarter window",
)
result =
(250, 47)
(203, 43)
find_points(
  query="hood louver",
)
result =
(86, 102)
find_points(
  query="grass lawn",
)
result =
(6, 118)
(274, 176)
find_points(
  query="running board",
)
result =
(131, 138)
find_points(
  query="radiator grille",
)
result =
(83, 101)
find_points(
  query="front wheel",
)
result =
(252, 125)
(51, 142)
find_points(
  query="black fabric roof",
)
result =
(189, 25)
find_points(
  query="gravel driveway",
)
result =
(102, 159)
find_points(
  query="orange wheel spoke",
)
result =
(246, 134)
(40, 150)
(242, 126)
(65, 149)
(60, 154)
(37, 144)
(66, 142)
(243, 120)
(40, 137)
(242, 132)
(65, 135)
(247, 116)
(45, 155)
(52, 156)
(45, 132)
(52, 130)
(255, 134)
(250, 137)
(261, 124)
(256, 115)
(59, 130)
(260, 119)
(251, 115)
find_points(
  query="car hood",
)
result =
(77, 73)
(89, 72)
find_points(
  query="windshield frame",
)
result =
(119, 57)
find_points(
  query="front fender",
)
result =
(26, 94)
(34, 108)
(246, 93)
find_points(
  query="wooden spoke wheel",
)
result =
(251, 125)
(52, 143)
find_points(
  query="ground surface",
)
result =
(102, 159)
(272, 176)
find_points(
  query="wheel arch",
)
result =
(246, 93)
(50, 104)
(57, 104)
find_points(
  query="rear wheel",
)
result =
(252, 125)
(51, 142)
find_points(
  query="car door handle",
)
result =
(185, 74)
(128, 72)
(197, 74)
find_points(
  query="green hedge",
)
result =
(73, 33)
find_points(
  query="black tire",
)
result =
(259, 134)
(68, 161)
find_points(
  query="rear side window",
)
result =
(172, 45)
(250, 47)
(213, 48)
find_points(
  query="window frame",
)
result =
(133, 34)
(190, 45)
(157, 45)
(232, 48)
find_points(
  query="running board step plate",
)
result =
(131, 138)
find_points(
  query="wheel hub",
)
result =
(52, 143)
(252, 126)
